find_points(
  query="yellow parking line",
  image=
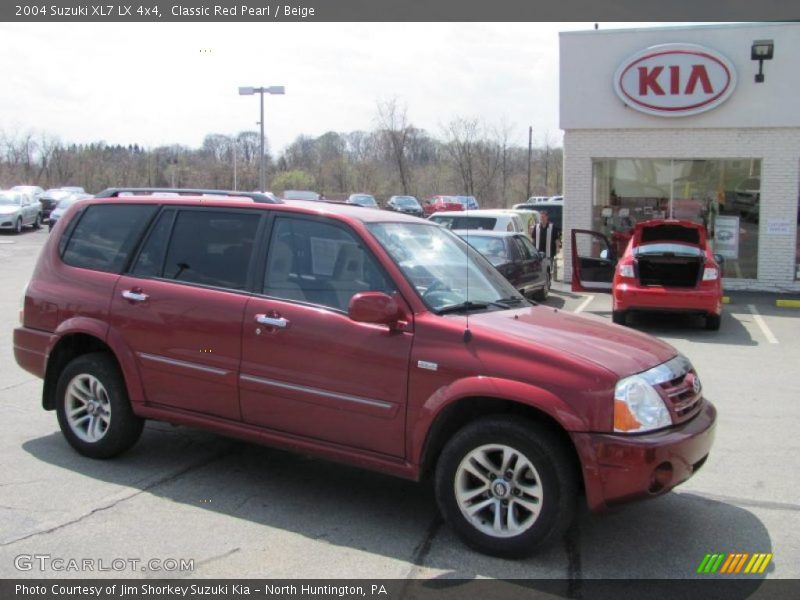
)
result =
(726, 299)
(788, 303)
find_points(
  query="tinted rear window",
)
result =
(106, 235)
(671, 233)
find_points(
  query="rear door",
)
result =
(593, 261)
(307, 368)
(180, 307)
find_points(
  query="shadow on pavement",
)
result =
(662, 538)
(689, 327)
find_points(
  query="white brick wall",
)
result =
(778, 149)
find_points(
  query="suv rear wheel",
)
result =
(93, 409)
(506, 486)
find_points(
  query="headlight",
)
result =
(638, 407)
(710, 274)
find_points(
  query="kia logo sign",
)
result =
(675, 80)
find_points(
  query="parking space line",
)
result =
(584, 304)
(762, 324)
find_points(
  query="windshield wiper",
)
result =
(510, 301)
(467, 306)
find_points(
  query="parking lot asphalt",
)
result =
(240, 510)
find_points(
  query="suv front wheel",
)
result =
(506, 486)
(93, 409)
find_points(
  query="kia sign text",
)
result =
(675, 80)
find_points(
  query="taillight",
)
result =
(22, 305)
(626, 270)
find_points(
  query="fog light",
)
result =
(662, 476)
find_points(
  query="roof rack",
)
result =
(263, 197)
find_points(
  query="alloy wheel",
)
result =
(498, 490)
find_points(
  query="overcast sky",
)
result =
(161, 83)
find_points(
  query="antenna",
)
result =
(467, 332)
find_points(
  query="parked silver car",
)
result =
(18, 210)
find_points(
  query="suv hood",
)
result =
(621, 350)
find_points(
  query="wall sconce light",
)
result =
(762, 50)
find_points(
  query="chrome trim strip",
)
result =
(181, 363)
(317, 391)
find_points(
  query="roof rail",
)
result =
(263, 197)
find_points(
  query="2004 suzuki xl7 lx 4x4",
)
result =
(364, 336)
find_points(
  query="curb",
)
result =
(787, 303)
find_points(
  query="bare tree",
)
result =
(395, 129)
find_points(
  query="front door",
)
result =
(307, 368)
(593, 261)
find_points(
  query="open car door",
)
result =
(593, 261)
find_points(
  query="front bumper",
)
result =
(620, 468)
(632, 297)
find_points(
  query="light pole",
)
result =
(249, 91)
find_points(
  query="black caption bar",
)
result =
(397, 10)
(716, 588)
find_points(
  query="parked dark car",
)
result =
(405, 204)
(50, 200)
(514, 255)
(62, 207)
(380, 340)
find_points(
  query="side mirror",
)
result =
(720, 259)
(373, 307)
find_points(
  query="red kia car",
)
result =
(363, 336)
(667, 266)
(440, 203)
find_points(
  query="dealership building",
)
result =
(692, 122)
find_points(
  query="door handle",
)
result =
(134, 296)
(279, 322)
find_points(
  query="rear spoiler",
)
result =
(263, 197)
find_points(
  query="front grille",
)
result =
(682, 401)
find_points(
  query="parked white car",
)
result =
(18, 210)
(486, 219)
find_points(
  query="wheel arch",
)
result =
(77, 341)
(458, 413)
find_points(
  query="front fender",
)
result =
(490, 387)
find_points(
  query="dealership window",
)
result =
(723, 195)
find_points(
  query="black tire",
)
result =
(18, 226)
(37, 224)
(124, 427)
(557, 477)
(620, 317)
(50, 226)
(713, 322)
(541, 294)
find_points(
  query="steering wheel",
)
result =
(437, 285)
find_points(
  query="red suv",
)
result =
(368, 337)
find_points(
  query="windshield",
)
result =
(66, 203)
(363, 200)
(7, 200)
(406, 201)
(446, 272)
(300, 195)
